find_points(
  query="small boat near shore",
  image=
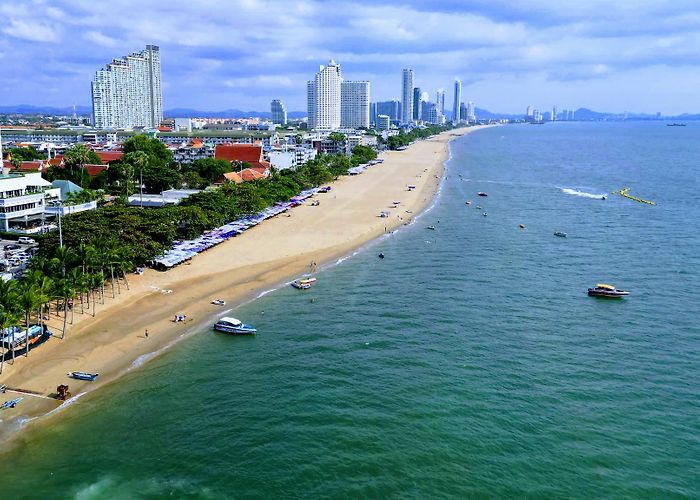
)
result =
(481, 193)
(90, 377)
(608, 291)
(431, 227)
(303, 283)
(560, 234)
(234, 326)
(11, 403)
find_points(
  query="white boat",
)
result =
(233, 325)
(303, 283)
(431, 227)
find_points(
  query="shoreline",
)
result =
(239, 271)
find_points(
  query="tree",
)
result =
(193, 180)
(157, 152)
(26, 154)
(210, 169)
(157, 178)
(80, 155)
(336, 137)
(28, 298)
(8, 319)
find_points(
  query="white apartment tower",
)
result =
(456, 118)
(471, 112)
(440, 101)
(354, 104)
(407, 96)
(323, 98)
(127, 92)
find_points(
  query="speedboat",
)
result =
(303, 283)
(468, 202)
(603, 290)
(431, 227)
(481, 193)
(90, 377)
(233, 325)
(11, 403)
(218, 302)
(560, 234)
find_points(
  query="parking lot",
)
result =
(14, 257)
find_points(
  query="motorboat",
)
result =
(481, 193)
(478, 207)
(234, 326)
(11, 403)
(603, 290)
(431, 227)
(303, 283)
(381, 256)
(218, 302)
(560, 234)
(468, 202)
(90, 377)
(485, 214)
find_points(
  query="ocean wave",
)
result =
(576, 192)
(68, 402)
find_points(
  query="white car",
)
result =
(24, 240)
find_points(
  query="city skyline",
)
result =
(570, 55)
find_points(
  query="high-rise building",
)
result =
(528, 112)
(383, 122)
(392, 109)
(416, 115)
(456, 118)
(554, 113)
(127, 92)
(354, 104)
(323, 97)
(471, 112)
(462, 112)
(407, 96)
(279, 114)
(440, 101)
(372, 113)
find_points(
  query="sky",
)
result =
(615, 56)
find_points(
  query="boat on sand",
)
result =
(90, 377)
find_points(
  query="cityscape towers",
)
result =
(127, 92)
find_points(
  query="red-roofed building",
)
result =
(228, 177)
(250, 174)
(249, 153)
(107, 156)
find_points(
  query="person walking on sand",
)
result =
(146, 333)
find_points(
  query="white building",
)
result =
(23, 200)
(127, 92)
(456, 118)
(354, 104)
(279, 114)
(383, 122)
(407, 96)
(471, 112)
(323, 98)
(290, 157)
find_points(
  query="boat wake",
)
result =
(576, 192)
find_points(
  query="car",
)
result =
(11, 246)
(24, 240)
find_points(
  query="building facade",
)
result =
(417, 101)
(456, 117)
(323, 98)
(440, 101)
(383, 122)
(407, 96)
(127, 92)
(279, 114)
(392, 109)
(354, 104)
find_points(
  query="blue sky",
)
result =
(624, 55)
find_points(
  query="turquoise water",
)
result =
(467, 363)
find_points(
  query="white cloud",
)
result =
(100, 39)
(31, 31)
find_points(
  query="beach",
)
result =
(263, 258)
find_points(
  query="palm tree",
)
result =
(64, 290)
(8, 295)
(78, 155)
(85, 255)
(95, 282)
(7, 320)
(139, 160)
(74, 281)
(28, 300)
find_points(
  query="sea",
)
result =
(467, 363)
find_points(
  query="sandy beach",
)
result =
(268, 255)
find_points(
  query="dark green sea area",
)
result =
(468, 363)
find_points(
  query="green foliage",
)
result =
(26, 154)
(210, 169)
(336, 137)
(79, 155)
(404, 139)
(157, 152)
(192, 180)
(362, 154)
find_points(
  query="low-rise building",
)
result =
(23, 198)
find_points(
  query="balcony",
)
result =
(22, 199)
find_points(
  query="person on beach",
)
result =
(146, 333)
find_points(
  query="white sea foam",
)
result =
(66, 403)
(576, 192)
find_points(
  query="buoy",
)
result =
(522, 226)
